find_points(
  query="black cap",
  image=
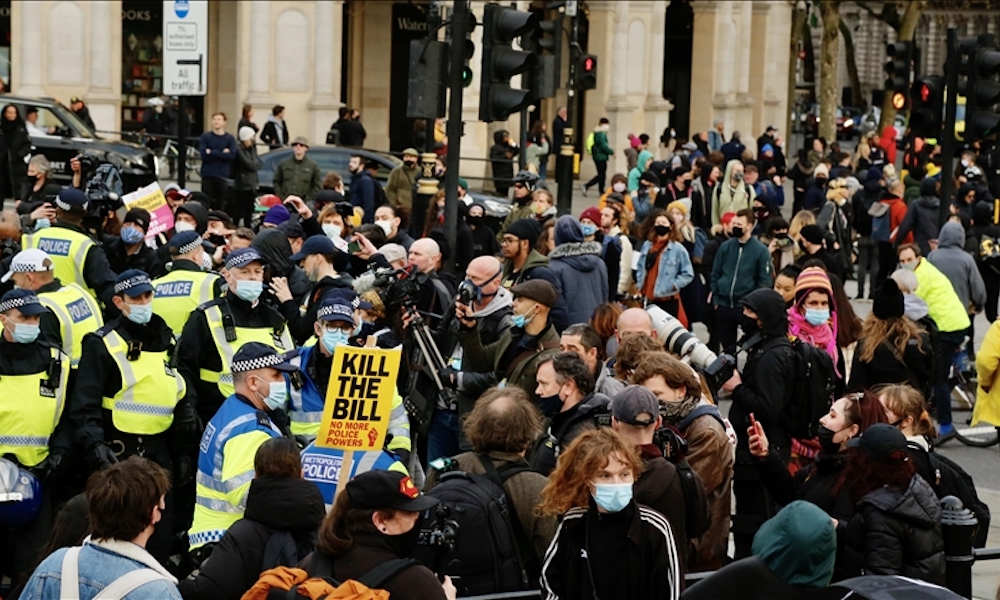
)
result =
(812, 234)
(132, 283)
(879, 441)
(243, 257)
(292, 228)
(23, 300)
(649, 177)
(255, 355)
(317, 244)
(335, 309)
(888, 302)
(139, 216)
(378, 490)
(222, 217)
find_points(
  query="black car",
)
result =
(328, 158)
(60, 135)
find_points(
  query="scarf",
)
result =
(674, 412)
(821, 336)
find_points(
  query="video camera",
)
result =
(439, 534)
(717, 369)
(104, 190)
(396, 287)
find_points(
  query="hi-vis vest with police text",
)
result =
(225, 468)
(150, 389)
(179, 293)
(68, 250)
(280, 341)
(30, 409)
(78, 315)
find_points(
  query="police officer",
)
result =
(72, 314)
(335, 325)
(186, 286)
(317, 257)
(128, 399)
(250, 416)
(33, 433)
(217, 329)
(77, 257)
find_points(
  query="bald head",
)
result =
(425, 255)
(484, 272)
(897, 188)
(634, 321)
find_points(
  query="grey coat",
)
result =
(958, 266)
(583, 278)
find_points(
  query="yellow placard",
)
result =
(359, 398)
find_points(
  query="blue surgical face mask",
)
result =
(612, 497)
(249, 290)
(42, 224)
(140, 313)
(131, 235)
(25, 333)
(333, 338)
(588, 230)
(277, 395)
(520, 320)
(817, 316)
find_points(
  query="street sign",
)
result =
(185, 47)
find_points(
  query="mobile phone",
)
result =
(354, 247)
(783, 242)
(291, 207)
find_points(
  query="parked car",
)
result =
(329, 158)
(66, 136)
(847, 121)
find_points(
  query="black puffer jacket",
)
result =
(274, 505)
(897, 532)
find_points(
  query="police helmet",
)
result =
(20, 495)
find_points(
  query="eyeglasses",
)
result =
(506, 241)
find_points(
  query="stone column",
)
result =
(260, 54)
(103, 97)
(657, 108)
(29, 49)
(325, 100)
(619, 106)
(707, 83)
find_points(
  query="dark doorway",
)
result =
(409, 22)
(677, 56)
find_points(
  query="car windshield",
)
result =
(56, 121)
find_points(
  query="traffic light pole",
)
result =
(459, 25)
(564, 164)
(950, 111)
(433, 22)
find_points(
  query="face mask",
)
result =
(910, 266)
(332, 231)
(42, 224)
(385, 225)
(748, 324)
(25, 333)
(333, 338)
(737, 232)
(181, 226)
(520, 320)
(678, 219)
(31, 180)
(661, 230)
(826, 442)
(738, 176)
(249, 290)
(140, 313)
(550, 405)
(131, 235)
(404, 544)
(612, 497)
(206, 261)
(817, 316)
(410, 163)
(588, 230)
(618, 187)
(277, 395)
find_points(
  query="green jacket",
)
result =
(535, 259)
(297, 178)
(521, 372)
(601, 149)
(399, 186)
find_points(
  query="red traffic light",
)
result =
(589, 63)
(924, 93)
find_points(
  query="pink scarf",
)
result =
(821, 336)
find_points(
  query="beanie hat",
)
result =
(821, 169)
(812, 234)
(525, 229)
(593, 213)
(888, 301)
(767, 148)
(874, 174)
(650, 177)
(813, 278)
(679, 206)
(276, 215)
(246, 133)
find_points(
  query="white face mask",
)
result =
(332, 231)
(386, 226)
(618, 187)
(181, 226)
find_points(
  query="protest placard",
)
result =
(151, 198)
(359, 398)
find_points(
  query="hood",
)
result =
(873, 187)
(498, 136)
(585, 254)
(594, 400)
(982, 213)
(928, 187)
(917, 505)
(535, 259)
(770, 309)
(963, 191)
(567, 230)
(285, 503)
(503, 299)
(274, 246)
(199, 212)
(727, 176)
(275, 120)
(643, 157)
(929, 201)
(914, 307)
(952, 235)
(799, 544)
(602, 128)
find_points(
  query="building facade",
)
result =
(663, 64)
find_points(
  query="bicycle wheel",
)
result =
(980, 436)
(963, 396)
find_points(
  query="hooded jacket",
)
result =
(897, 532)
(943, 302)
(862, 201)
(274, 504)
(273, 245)
(275, 132)
(958, 266)
(536, 266)
(922, 217)
(726, 198)
(636, 173)
(582, 275)
(601, 149)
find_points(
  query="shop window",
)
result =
(142, 59)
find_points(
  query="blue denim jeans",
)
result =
(442, 437)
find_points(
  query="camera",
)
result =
(344, 209)
(395, 287)
(783, 241)
(441, 532)
(720, 370)
(677, 339)
(670, 442)
(466, 292)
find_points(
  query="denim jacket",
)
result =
(101, 562)
(674, 273)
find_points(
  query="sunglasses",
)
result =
(299, 146)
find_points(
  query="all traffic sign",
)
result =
(185, 47)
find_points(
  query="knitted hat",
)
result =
(525, 229)
(593, 213)
(813, 278)
(679, 206)
(821, 169)
(812, 234)
(888, 301)
(276, 215)
(649, 177)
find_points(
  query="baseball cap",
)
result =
(879, 441)
(539, 290)
(376, 490)
(23, 300)
(335, 309)
(771, 128)
(255, 355)
(244, 256)
(31, 260)
(317, 244)
(133, 282)
(634, 401)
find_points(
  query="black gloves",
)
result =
(185, 468)
(187, 428)
(449, 377)
(100, 457)
(51, 468)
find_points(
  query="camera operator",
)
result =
(435, 293)
(764, 394)
(565, 388)
(584, 341)
(635, 416)
(709, 450)
(77, 256)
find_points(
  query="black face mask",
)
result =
(410, 164)
(737, 232)
(661, 230)
(550, 405)
(476, 220)
(404, 544)
(749, 325)
(826, 442)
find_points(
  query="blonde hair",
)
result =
(895, 333)
(800, 220)
(904, 401)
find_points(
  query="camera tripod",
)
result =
(430, 353)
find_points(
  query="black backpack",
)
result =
(813, 393)
(950, 479)
(492, 552)
(381, 199)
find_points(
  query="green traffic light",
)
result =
(466, 76)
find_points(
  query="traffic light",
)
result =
(897, 70)
(982, 94)
(501, 26)
(546, 42)
(587, 72)
(927, 106)
(428, 61)
(469, 50)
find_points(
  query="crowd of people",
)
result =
(163, 394)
